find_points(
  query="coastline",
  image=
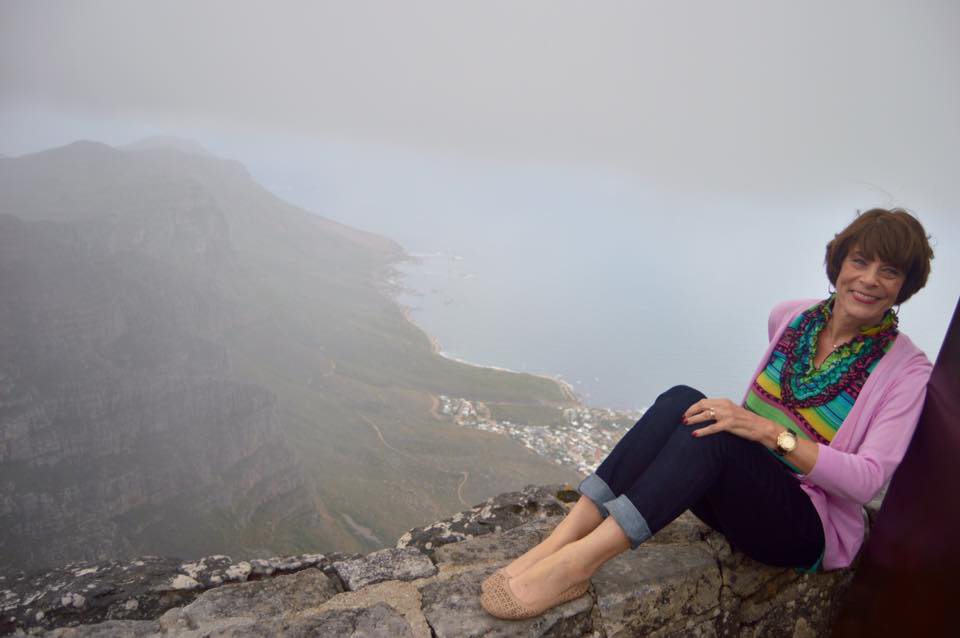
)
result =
(565, 387)
(394, 288)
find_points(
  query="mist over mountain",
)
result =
(190, 365)
(169, 142)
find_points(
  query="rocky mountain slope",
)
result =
(189, 365)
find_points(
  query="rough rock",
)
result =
(287, 594)
(452, 607)
(658, 590)
(110, 629)
(686, 582)
(760, 600)
(84, 593)
(499, 513)
(377, 621)
(386, 564)
(502, 547)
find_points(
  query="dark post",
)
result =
(908, 580)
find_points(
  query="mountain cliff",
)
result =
(189, 365)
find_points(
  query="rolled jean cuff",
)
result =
(597, 490)
(630, 520)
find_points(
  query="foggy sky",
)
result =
(743, 123)
(753, 95)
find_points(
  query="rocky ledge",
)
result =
(686, 581)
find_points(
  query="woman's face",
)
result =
(866, 288)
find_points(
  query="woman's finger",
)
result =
(710, 429)
(705, 413)
(694, 409)
(695, 417)
(689, 412)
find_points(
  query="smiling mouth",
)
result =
(862, 297)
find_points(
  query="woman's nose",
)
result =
(870, 275)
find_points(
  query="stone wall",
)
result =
(686, 581)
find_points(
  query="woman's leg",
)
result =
(762, 510)
(573, 563)
(638, 448)
(619, 470)
(580, 521)
(760, 505)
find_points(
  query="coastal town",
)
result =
(579, 437)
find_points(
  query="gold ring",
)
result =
(713, 414)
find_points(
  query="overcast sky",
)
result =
(740, 94)
(753, 125)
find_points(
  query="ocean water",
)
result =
(620, 318)
(619, 286)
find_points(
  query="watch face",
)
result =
(787, 441)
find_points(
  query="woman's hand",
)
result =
(738, 420)
(732, 418)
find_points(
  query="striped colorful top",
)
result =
(864, 454)
(813, 402)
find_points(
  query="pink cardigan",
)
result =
(868, 446)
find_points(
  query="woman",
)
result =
(826, 419)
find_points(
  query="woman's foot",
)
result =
(493, 580)
(582, 519)
(542, 584)
(561, 576)
(531, 557)
(548, 546)
(501, 602)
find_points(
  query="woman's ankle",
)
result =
(533, 555)
(561, 536)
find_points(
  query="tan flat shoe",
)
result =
(498, 600)
(498, 575)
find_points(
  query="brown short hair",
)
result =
(895, 236)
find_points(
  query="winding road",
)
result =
(464, 474)
(463, 482)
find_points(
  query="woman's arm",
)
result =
(857, 476)
(860, 476)
(735, 419)
(804, 455)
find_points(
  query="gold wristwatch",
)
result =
(786, 443)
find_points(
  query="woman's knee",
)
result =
(669, 407)
(683, 393)
(679, 398)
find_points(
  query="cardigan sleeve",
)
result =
(859, 476)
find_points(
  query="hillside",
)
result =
(189, 364)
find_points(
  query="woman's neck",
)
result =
(843, 327)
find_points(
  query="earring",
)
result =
(831, 291)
